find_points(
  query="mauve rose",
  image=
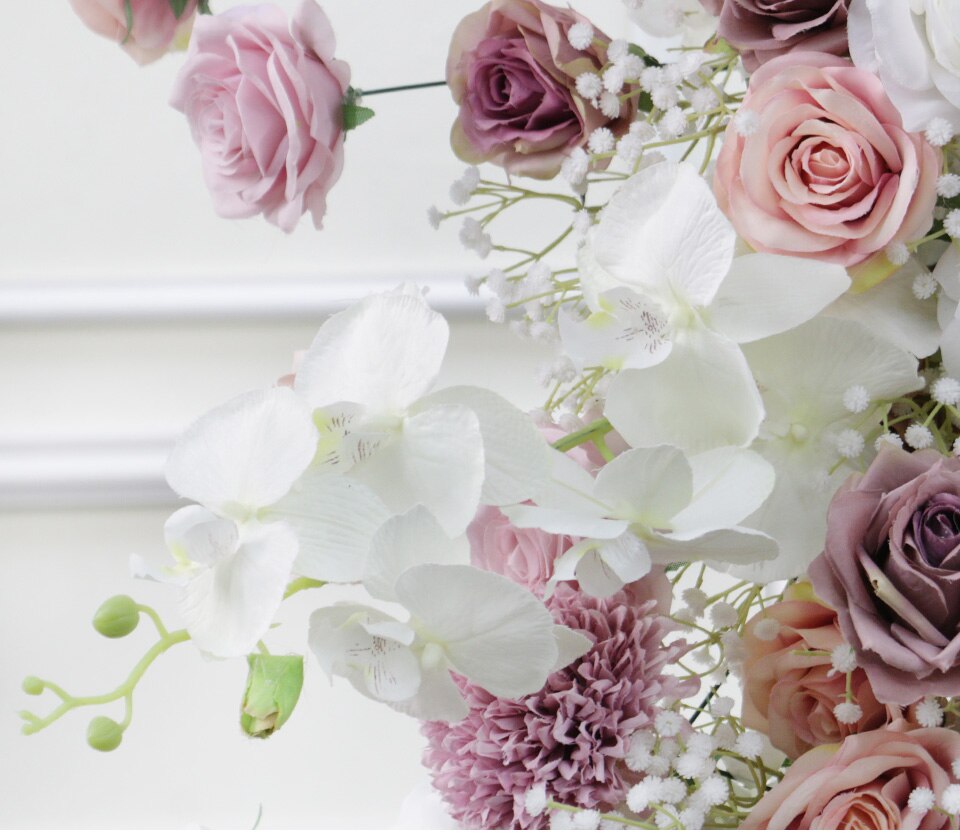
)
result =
(264, 103)
(891, 570)
(764, 29)
(513, 73)
(863, 784)
(829, 172)
(790, 695)
(155, 27)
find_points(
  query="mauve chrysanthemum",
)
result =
(573, 734)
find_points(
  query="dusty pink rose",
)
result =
(891, 569)
(264, 102)
(764, 29)
(513, 73)
(155, 27)
(828, 171)
(863, 783)
(790, 695)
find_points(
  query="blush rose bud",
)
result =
(117, 617)
(273, 688)
(104, 734)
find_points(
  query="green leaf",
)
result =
(354, 113)
(204, 7)
(273, 688)
(648, 59)
(178, 6)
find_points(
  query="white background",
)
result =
(101, 182)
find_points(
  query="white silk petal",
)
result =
(245, 454)
(646, 485)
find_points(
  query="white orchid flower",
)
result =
(806, 414)
(368, 375)
(671, 306)
(462, 619)
(649, 506)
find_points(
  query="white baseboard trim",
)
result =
(54, 301)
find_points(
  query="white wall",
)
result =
(101, 181)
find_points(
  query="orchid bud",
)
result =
(33, 685)
(118, 616)
(273, 688)
(104, 734)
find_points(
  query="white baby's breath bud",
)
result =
(460, 193)
(695, 599)
(470, 232)
(561, 820)
(499, 285)
(924, 286)
(929, 713)
(610, 105)
(659, 766)
(538, 277)
(921, 800)
(956, 447)
(650, 78)
(643, 131)
(856, 399)
(703, 658)
(766, 629)
(580, 35)
(691, 765)
(918, 436)
(575, 167)
(726, 736)
(582, 221)
(586, 820)
(888, 439)
(589, 85)
(955, 768)
(950, 800)
(496, 311)
(939, 132)
(434, 217)
(632, 66)
(686, 616)
(843, 658)
(643, 794)
(948, 186)
(723, 614)
(472, 285)
(618, 49)
(703, 99)
(897, 253)
(690, 62)
(484, 246)
(666, 818)
(692, 819)
(946, 390)
(569, 422)
(951, 224)
(664, 97)
(613, 79)
(669, 748)
(673, 123)
(849, 443)
(733, 648)
(746, 122)
(749, 745)
(535, 800)
(564, 369)
(701, 743)
(721, 707)
(672, 75)
(667, 723)
(629, 149)
(712, 791)
(542, 331)
(848, 713)
(671, 791)
(601, 141)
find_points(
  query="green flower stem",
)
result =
(155, 618)
(302, 583)
(398, 88)
(123, 691)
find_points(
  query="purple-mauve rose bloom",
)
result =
(764, 29)
(264, 99)
(513, 72)
(891, 570)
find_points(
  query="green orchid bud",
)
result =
(273, 688)
(118, 616)
(33, 685)
(104, 734)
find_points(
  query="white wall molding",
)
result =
(53, 301)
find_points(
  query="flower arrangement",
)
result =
(714, 580)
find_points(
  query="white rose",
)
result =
(914, 46)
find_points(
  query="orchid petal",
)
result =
(438, 697)
(767, 294)
(572, 523)
(384, 352)
(245, 454)
(728, 548)
(646, 485)
(702, 397)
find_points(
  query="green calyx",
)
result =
(354, 114)
(273, 688)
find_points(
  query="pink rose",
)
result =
(155, 26)
(863, 783)
(790, 695)
(829, 172)
(891, 569)
(265, 107)
(763, 29)
(513, 73)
